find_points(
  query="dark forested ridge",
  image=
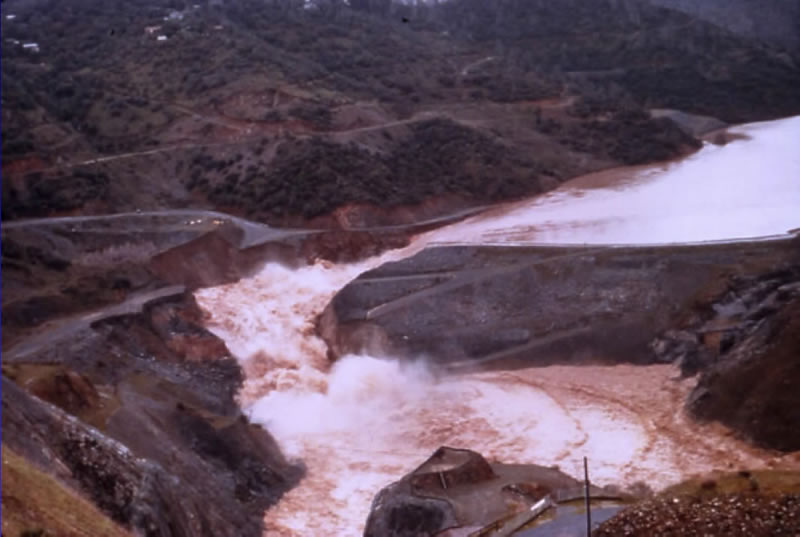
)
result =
(774, 21)
(214, 103)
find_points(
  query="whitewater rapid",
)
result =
(365, 421)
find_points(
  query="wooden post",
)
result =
(586, 497)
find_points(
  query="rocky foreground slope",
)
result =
(114, 392)
(136, 413)
(746, 504)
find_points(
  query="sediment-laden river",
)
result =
(367, 420)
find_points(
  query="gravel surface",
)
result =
(729, 515)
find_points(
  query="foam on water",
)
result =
(365, 421)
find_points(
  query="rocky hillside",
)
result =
(136, 413)
(745, 344)
(117, 403)
(226, 104)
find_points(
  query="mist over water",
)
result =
(365, 421)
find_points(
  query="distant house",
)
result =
(161, 38)
(11, 17)
(33, 47)
(174, 16)
(150, 30)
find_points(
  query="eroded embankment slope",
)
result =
(537, 304)
(475, 307)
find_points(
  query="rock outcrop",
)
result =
(137, 413)
(745, 344)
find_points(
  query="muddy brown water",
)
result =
(367, 420)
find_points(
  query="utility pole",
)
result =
(586, 497)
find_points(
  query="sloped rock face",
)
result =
(137, 412)
(151, 496)
(469, 306)
(728, 312)
(214, 258)
(745, 344)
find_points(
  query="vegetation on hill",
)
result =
(660, 57)
(234, 82)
